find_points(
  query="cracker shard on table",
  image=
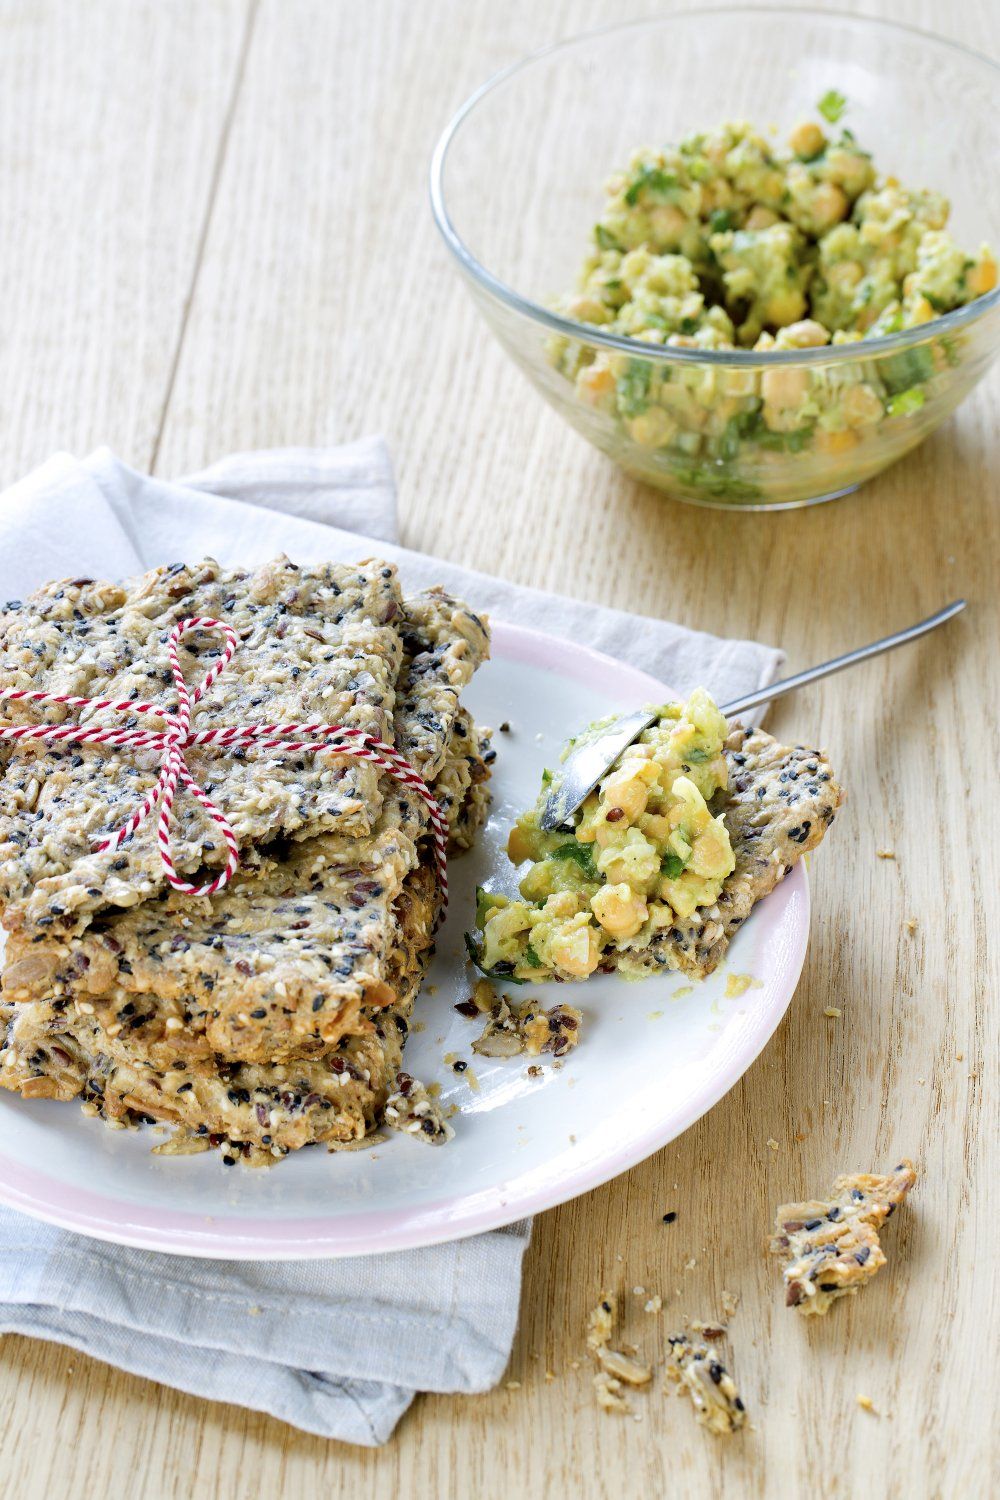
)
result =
(718, 1405)
(830, 1248)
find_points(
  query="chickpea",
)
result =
(596, 384)
(628, 788)
(576, 951)
(861, 406)
(785, 387)
(651, 428)
(836, 442)
(785, 306)
(845, 276)
(760, 217)
(806, 139)
(806, 334)
(620, 911)
(829, 205)
(667, 225)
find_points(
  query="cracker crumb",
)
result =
(833, 1011)
(885, 854)
(608, 1392)
(512, 1385)
(697, 1371)
(772, 1144)
(730, 1302)
(867, 1404)
(910, 924)
(655, 1304)
(254, 1311)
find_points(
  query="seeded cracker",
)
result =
(134, 1038)
(281, 963)
(318, 643)
(832, 1248)
(781, 801)
(717, 1402)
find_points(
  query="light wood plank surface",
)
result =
(215, 237)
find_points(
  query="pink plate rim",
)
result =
(247, 1238)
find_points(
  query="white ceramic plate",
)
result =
(654, 1057)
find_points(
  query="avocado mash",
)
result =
(645, 850)
(726, 242)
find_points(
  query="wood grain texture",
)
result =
(271, 162)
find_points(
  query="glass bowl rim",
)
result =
(587, 333)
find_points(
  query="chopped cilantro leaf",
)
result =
(580, 855)
(905, 402)
(908, 368)
(605, 239)
(832, 105)
(720, 220)
(652, 180)
(632, 388)
(671, 865)
(531, 958)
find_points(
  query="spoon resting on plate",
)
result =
(592, 758)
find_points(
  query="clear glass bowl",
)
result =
(516, 184)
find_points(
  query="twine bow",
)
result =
(177, 737)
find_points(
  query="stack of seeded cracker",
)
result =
(273, 1014)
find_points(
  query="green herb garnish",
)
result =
(605, 239)
(671, 865)
(720, 220)
(910, 367)
(832, 105)
(531, 958)
(633, 388)
(650, 180)
(580, 855)
(906, 402)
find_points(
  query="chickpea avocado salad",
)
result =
(728, 242)
(695, 822)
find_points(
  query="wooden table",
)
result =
(215, 236)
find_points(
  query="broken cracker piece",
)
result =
(717, 1403)
(832, 1248)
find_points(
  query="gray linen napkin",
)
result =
(336, 1347)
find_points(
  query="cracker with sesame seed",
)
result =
(716, 1400)
(318, 643)
(283, 961)
(831, 1248)
(780, 802)
(257, 1112)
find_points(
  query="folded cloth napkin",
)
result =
(337, 1347)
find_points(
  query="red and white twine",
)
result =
(177, 737)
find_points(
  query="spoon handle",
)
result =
(827, 668)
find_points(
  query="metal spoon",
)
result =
(591, 759)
